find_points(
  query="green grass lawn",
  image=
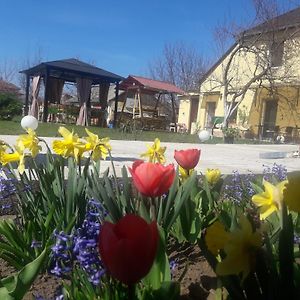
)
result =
(50, 130)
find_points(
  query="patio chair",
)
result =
(288, 134)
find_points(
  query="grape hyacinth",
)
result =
(7, 184)
(275, 174)
(7, 189)
(239, 188)
(62, 254)
(81, 247)
(86, 242)
(173, 266)
(297, 239)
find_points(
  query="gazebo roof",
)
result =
(150, 85)
(70, 69)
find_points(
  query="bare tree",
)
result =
(29, 61)
(250, 61)
(180, 65)
(8, 70)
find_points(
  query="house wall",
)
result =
(286, 79)
(288, 109)
(184, 111)
(202, 110)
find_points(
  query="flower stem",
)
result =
(152, 209)
(115, 173)
(8, 145)
(131, 291)
(79, 164)
(47, 146)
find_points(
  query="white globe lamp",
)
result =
(204, 135)
(29, 122)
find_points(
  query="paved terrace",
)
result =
(226, 157)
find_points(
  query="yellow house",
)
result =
(188, 111)
(255, 85)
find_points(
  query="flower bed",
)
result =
(144, 237)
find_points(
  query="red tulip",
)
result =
(187, 159)
(151, 179)
(128, 248)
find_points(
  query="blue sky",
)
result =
(121, 36)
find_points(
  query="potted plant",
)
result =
(229, 134)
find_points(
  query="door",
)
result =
(193, 111)
(269, 123)
(210, 114)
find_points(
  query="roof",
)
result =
(69, 69)
(286, 20)
(150, 85)
(7, 87)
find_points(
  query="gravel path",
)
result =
(226, 157)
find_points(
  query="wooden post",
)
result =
(27, 95)
(45, 112)
(116, 104)
(140, 103)
(156, 103)
(134, 105)
(124, 104)
(88, 109)
(174, 112)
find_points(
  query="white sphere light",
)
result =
(29, 122)
(204, 135)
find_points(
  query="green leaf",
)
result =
(286, 254)
(181, 196)
(160, 271)
(169, 290)
(4, 294)
(17, 285)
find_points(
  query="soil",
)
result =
(197, 279)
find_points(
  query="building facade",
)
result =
(256, 84)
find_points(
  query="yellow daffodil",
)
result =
(3, 148)
(29, 141)
(69, 146)
(270, 200)
(240, 249)
(100, 147)
(184, 174)
(291, 195)
(155, 152)
(216, 237)
(17, 156)
(212, 175)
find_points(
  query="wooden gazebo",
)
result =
(141, 85)
(56, 73)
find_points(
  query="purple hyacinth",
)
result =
(36, 244)
(62, 254)
(275, 173)
(7, 184)
(297, 239)
(173, 266)
(239, 189)
(86, 242)
(81, 248)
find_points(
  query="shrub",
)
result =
(10, 106)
